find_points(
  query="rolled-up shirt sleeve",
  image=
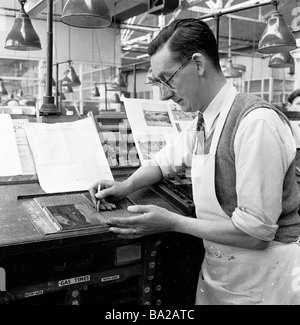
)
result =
(264, 149)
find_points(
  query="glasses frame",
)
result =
(166, 83)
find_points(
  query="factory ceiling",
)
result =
(140, 20)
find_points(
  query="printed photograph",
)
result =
(73, 215)
(157, 118)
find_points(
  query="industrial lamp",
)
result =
(3, 90)
(281, 60)
(71, 78)
(86, 14)
(277, 37)
(116, 99)
(22, 36)
(231, 71)
(95, 91)
(67, 89)
(44, 81)
(118, 82)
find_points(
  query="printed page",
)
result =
(179, 118)
(68, 156)
(151, 124)
(26, 158)
(10, 164)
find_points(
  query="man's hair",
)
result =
(294, 95)
(186, 37)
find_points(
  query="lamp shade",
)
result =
(71, 78)
(281, 60)
(67, 89)
(277, 37)
(95, 91)
(22, 36)
(20, 92)
(230, 71)
(118, 82)
(91, 14)
(3, 90)
(44, 81)
(116, 99)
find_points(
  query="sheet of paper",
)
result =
(179, 118)
(10, 164)
(151, 124)
(26, 158)
(68, 156)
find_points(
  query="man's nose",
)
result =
(166, 93)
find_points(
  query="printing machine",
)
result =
(94, 266)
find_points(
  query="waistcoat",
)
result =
(225, 178)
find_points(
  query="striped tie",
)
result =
(200, 122)
(200, 134)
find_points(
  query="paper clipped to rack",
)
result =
(10, 164)
(68, 156)
(154, 124)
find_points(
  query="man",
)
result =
(243, 176)
(294, 101)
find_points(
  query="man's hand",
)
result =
(150, 219)
(105, 190)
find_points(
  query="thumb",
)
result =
(104, 193)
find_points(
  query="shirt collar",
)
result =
(214, 108)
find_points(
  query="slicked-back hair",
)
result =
(294, 95)
(186, 37)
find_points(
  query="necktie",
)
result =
(200, 134)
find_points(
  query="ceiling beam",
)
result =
(39, 7)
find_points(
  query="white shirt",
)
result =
(264, 149)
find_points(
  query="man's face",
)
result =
(296, 104)
(185, 88)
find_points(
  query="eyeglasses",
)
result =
(166, 83)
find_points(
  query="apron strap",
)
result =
(221, 120)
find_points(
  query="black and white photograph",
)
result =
(149, 156)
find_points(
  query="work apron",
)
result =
(232, 275)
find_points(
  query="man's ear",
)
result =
(201, 63)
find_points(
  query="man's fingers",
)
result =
(102, 205)
(103, 194)
(124, 222)
(125, 232)
(140, 208)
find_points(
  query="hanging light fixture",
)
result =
(86, 14)
(240, 67)
(118, 82)
(277, 37)
(22, 36)
(95, 91)
(67, 89)
(230, 71)
(44, 81)
(20, 92)
(71, 78)
(116, 99)
(281, 60)
(3, 91)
